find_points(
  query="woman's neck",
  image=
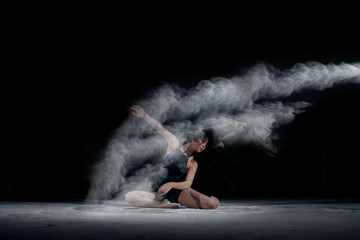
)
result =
(187, 149)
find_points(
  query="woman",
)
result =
(174, 190)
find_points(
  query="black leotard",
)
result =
(176, 164)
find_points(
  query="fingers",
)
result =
(162, 191)
(135, 107)
(159, 197)
(136, 110)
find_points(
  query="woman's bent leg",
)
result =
(148, 200)
(194, 199)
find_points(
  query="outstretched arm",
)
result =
(173, 142)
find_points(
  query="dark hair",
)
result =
(212, 139)
(209, 134)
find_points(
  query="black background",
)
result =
(98, 58)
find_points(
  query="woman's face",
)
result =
(199, 144)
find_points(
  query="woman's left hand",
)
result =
(164, 189)
(138, 111)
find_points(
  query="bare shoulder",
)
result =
(191, 162)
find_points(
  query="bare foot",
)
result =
(170, 205)
(162, 204)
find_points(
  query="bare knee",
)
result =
(129, 196)
(133, 197)
(212, 203)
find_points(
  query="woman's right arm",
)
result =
(173, 142)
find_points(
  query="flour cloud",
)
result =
(242, 108)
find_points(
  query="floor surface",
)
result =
(257, 219)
